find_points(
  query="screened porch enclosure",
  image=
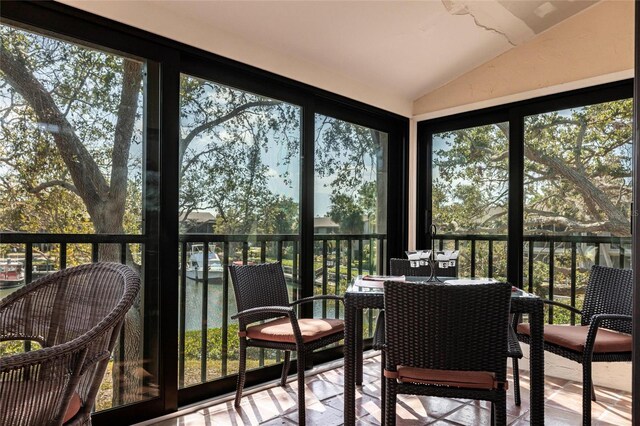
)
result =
(120, 145)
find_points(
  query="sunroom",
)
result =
(187, 138)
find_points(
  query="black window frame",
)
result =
(513, 113)
(167, 59)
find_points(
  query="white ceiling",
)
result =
(400, 48)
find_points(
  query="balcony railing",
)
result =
(555, 266)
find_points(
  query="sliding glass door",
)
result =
(469, 198)
(239, 204)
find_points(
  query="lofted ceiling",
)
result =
(401, 48)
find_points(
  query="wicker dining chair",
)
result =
(399, 267)
(75, 315)
(261, 295)
(604, 333)
(448, 341)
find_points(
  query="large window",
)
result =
(71, 162)
(536, 198)
(350, 206)
(577, 204)
(240, 192)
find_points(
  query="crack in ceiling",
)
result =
(491, 16)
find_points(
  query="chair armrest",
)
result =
(598, 318)
(284, 310)
(562, 305)
(593, 330)
(318, 297)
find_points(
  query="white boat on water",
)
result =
(196, 265)
(11, 273)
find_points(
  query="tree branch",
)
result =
(593, 196)
(85, 173)
(184, 143)
(66, 185)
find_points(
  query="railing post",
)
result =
(552, 256)
(224, 331)
(473, 258)
(337, 282)
(324, 276)
(490, 259)
(573, 280)
(531, 264)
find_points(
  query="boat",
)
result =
(11, 273)
(196, 263)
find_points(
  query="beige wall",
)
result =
(592, 47)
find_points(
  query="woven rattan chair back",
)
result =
(447, 327)
(257, 286)
(403, 267)
(609, 291)
(76, 315)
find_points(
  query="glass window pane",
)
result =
(71, 150)
(578, 191)
(239, 201)
(470, 198)
(350, 202)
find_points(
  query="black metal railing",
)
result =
(552, 263)
(555, 266)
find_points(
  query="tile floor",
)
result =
(274, 405)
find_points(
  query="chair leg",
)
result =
(301, 401)
(389, 415)
(285, 368)
(593, 392)
(516, 382)
(500, 410)
(586, 394)
(241, 371)
(383, 385)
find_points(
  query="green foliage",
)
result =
(346, 212)
(85, 85)
(193, 343)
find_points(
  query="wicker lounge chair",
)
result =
(446, 340)
(75, 315)
(604, 333)
(261, 295)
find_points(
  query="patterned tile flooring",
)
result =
(274, 405)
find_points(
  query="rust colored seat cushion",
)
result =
(280, 330)
(575, 337)
(455, 378)
(74, 406)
